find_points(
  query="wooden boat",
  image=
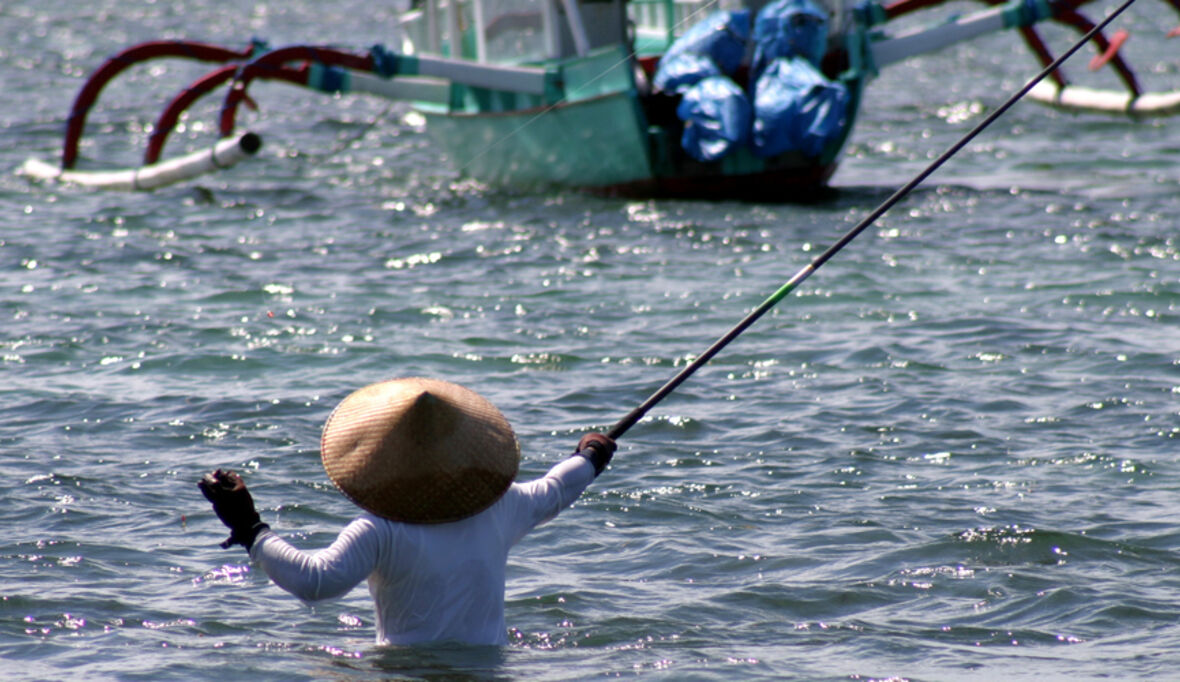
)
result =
(532, 94)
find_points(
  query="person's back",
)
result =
(429, 581)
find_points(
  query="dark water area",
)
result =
(953, 454)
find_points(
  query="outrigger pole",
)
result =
(635, 415)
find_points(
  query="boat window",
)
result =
(514, 31)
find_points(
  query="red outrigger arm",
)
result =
(1062, 11)
(271, 66)
(1072, 18)
(183, 49)
(207, 83)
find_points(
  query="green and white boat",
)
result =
(534, 94)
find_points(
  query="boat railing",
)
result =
(512, 31)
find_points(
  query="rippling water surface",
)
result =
(953, 455)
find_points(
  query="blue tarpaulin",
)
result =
(716, 117)
(795, 107)
(682, 71)
(715, 46)
(788, 28)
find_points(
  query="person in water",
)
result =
(432, 465)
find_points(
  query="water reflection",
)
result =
(436, 662)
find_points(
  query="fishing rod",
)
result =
(635, 415)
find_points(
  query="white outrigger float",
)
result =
(708, 99)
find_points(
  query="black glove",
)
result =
(597, 448)
(234, 506)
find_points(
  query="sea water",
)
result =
(952, 455)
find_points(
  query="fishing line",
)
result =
(635, 415)
(341, 145)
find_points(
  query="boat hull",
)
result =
(595, 142)
(605, 145)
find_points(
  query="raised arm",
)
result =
(325, 574)
(543, 498)
(309, 576)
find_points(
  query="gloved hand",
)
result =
(597, 448)
(234, 506)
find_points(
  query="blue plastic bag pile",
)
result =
(791, 105)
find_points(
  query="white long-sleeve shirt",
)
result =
(430, 582)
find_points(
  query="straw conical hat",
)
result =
(419, 450)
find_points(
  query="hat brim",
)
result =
(419, 450)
